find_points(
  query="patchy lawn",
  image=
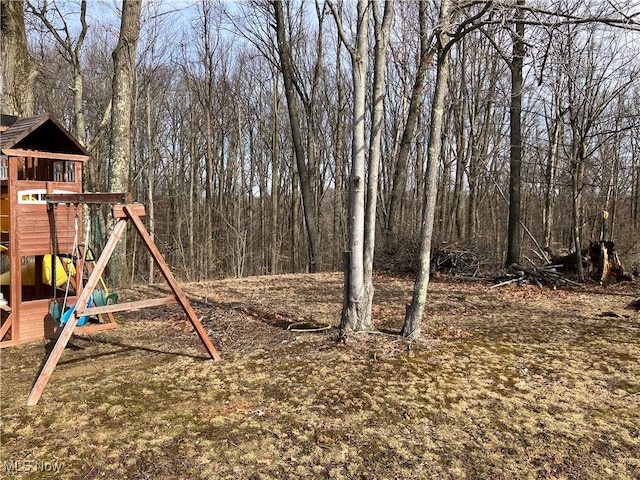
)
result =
(506, 384)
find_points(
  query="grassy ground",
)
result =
(511, 383)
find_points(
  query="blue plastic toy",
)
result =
(82, 320)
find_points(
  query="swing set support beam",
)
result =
(132, 212)
(89, 198)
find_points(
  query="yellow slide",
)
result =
(4, 213)
(29, 272)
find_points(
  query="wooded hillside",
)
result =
(230, 184)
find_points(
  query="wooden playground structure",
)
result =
(50, 285)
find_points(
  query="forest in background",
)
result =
(214, 159)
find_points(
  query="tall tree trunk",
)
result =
(609, 221)
(294, 221)
(339, 211)
(549, 183)
(473, 177)
(577, 174)
(18, 73)
(413, 320)
(382, 34)
(459, 191)
(207, 104)
(515, 118)
(353, 318)
(444, 201)
(635, 186)
(286, 65)
(123, 92)
(151, 181)
(399, 183)
(192, 205)
(275, 182)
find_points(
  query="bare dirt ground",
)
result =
(510, 383)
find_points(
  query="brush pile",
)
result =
(455, 260)
(547, 275)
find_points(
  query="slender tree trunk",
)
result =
(339, 212)
(399, 183)
(382, 34)
(443, 202)
(459, 189)
(207, 104)
(275, 182)
(549, 186)
(151, 181)
(608, 226)
(340, 206)
(473, 177)
(192, 205)
(635, 188)
(121, 114)
(413, 320)
(295, 237)
(418, 196)
(577, 174)
(286, 65)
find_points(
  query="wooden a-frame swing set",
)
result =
(124, 214)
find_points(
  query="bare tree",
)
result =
(288, 75)
(382, 32)
(215, 155)
(123, 91)
(413, 319)
(49, 13)
(399, 183)
(515, 120)
(593, 86)
(354, 317)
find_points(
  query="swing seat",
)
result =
(66, 316)
(112, 299)
(55, 311)
(101, 300)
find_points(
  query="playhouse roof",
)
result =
(40, 133)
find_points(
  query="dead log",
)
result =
(568, 262)
(607, 267)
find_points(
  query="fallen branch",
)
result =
(447, 259)
(539, 276)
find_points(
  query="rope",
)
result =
(75, 247)
(54, 255)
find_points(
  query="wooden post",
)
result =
(175, 286)
(67, 331)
